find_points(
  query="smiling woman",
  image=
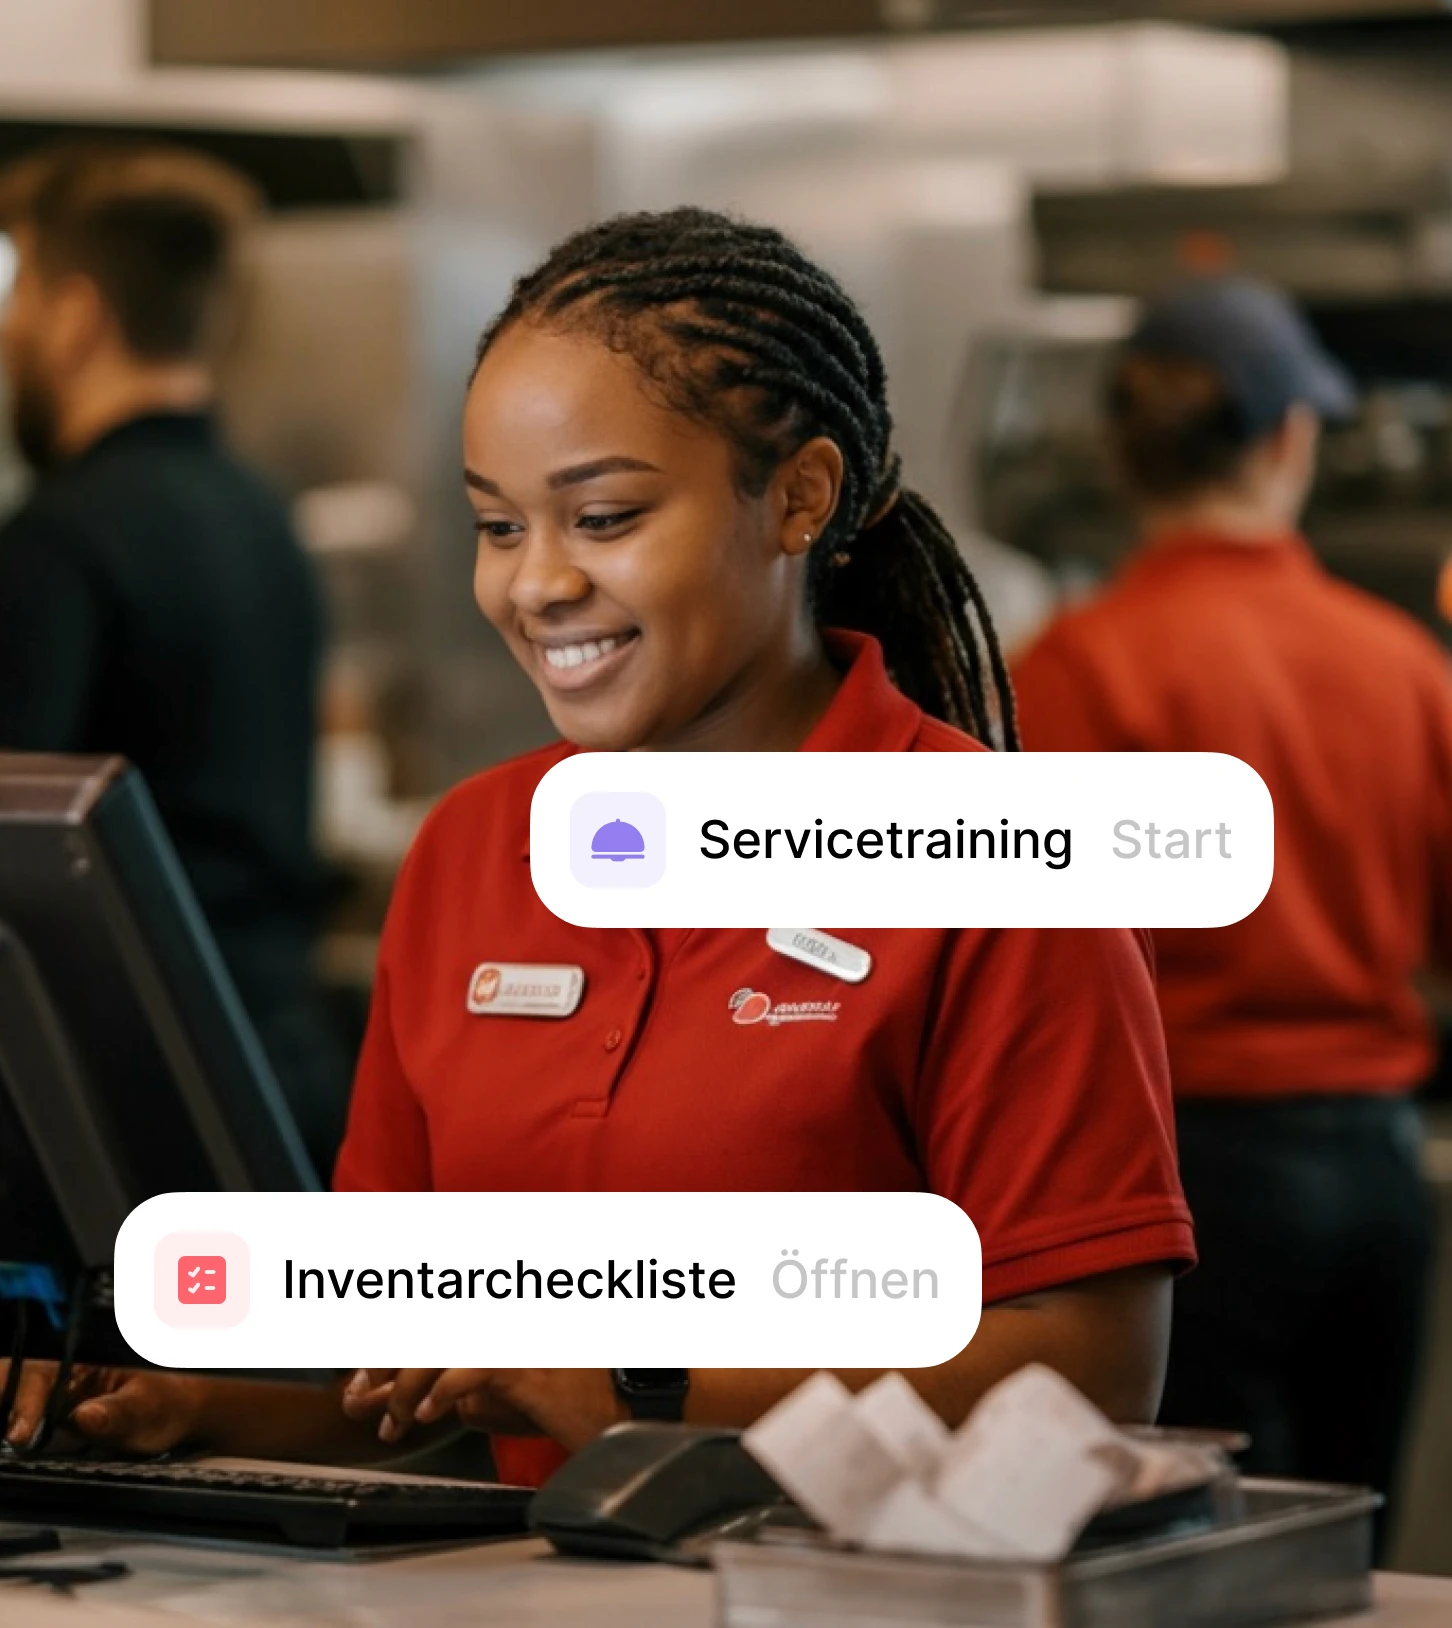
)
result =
(692, 534)
(617, 581)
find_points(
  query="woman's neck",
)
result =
(772, 706)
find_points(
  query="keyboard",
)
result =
(257, 1501)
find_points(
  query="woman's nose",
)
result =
(545, 575)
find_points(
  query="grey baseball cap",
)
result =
(1256, 340)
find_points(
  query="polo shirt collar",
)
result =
(868, 713)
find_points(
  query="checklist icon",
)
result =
(201, 1280)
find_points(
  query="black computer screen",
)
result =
(127, 1064)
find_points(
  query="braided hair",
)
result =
(734, 326)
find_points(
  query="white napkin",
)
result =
(818, 1448)
(1033, 1463)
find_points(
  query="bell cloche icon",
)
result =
(617, 842)
(607, 828)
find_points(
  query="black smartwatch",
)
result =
(653, 1393)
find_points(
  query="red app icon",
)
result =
(201, 1280)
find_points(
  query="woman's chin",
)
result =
(598, 725)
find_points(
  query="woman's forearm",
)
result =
(1108, 1336)
(266, 1419)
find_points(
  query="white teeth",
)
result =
(575, 655)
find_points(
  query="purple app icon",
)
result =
(617, 842)
(617, 839)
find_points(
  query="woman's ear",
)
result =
(810, 486)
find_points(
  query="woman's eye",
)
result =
(498, 530)
(607, 522)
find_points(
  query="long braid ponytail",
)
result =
(736, 327)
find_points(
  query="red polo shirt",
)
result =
(1344, 707)
(1020, 1073)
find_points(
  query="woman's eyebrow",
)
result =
(577, 473)
(573, 476)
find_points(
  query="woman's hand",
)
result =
(569, 1405)
(134, 1410)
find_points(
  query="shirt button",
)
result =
(641, 970)
(613, 1039)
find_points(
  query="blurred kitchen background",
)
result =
(997, 184)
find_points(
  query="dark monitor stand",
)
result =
(128, 1066)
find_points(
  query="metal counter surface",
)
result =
(516, 1583)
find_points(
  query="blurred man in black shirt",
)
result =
(154, 600)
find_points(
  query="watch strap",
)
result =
(653, 1393)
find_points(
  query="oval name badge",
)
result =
(834, 956)
(520, 989)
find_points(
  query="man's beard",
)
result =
(34, 421)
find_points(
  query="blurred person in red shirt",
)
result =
(1297, 1035)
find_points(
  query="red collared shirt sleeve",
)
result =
(1044, 1108)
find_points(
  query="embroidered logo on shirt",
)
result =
(748, 1006)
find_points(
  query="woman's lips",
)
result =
(579, 664)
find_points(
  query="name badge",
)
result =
(517, 989)
(834, 956)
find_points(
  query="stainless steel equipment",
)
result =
(1298, 1552)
